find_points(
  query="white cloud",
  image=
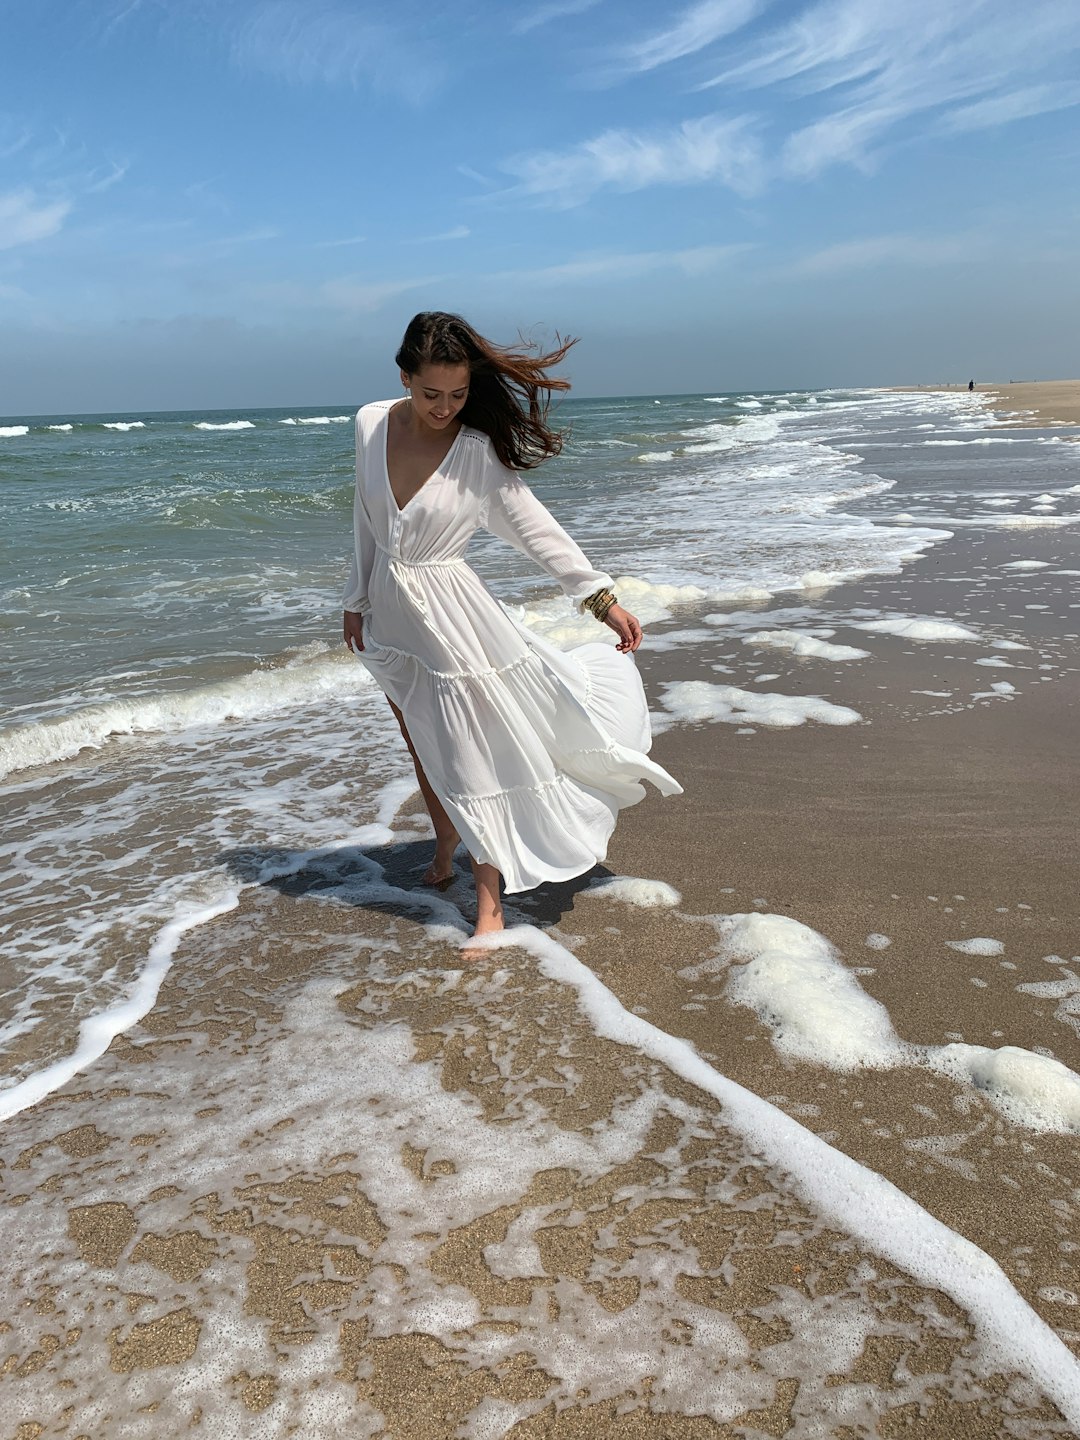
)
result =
(457, 232)
(556, 10)
(24, 218)
(695, 28)
(1014, 105)
(347, 294)
(618, 267)
(881, 250)
(94, 186)
(710, 148)
(880, 64)
(327, 42)
(334, 244)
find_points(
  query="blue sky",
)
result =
(242, 202)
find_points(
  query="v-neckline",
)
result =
(400, 509)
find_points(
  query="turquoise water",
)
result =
(141, 560)
(175, 691)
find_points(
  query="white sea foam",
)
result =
(918, 628)
(863, 1202)
(790, 976)
(1034, 1091)
(694, 701)
(977, 946)
(260, 692)
(649, 894)
(98, 1031)
(224, 425)
(804, 645)
(1026, 565)
(817, 1012)
(60, 427)
(1034, 522)
(318, 420)
(1066, 991)
(124, 424)
(10, 431)
(877, 942)
(362, 1088)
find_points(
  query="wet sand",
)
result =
(338, 1182)
(1026, 402)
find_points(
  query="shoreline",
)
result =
(329, 1152)
(1022, 402)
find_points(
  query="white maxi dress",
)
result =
(532, 750)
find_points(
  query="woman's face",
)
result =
(438, 393)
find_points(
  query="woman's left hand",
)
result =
(625, 626)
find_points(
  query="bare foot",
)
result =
(440, 872)
(489, 924)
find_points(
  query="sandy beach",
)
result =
(337, 1170)
(1027, 402)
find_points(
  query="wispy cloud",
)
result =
(345, 294)
(878, 66)
(556, 10)
(710, 148)
(217, 247)
(471, 174)
(1014, 105)
(13, 138)
(320, 41)
(95, 184)
(876, 251)
(691, 30)
(616, 267)
(335, 244)
(458, 232)
(25, 218)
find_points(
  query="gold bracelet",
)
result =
(599, 603)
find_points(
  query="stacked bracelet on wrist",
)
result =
(600, 603)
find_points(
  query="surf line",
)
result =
(869, 1207)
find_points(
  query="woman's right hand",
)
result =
(354, 630)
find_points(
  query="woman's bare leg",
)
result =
(489, 915)
(446, 837)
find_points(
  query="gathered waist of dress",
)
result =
(419, 564)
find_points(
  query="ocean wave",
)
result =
(12, 430)
(257, 693)
(318, 420)
(225, 425)
(124, 424)
(68, 426)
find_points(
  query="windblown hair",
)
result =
(509, 390)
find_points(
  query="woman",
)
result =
(523, 751)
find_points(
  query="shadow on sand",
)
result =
(388, 878)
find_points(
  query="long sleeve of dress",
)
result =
(513, 513)
(363, 553)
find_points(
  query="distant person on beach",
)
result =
(523, 751)
(971, 385)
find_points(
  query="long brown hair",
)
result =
(509, 390)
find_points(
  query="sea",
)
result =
(492, 1195)
(174, 684)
